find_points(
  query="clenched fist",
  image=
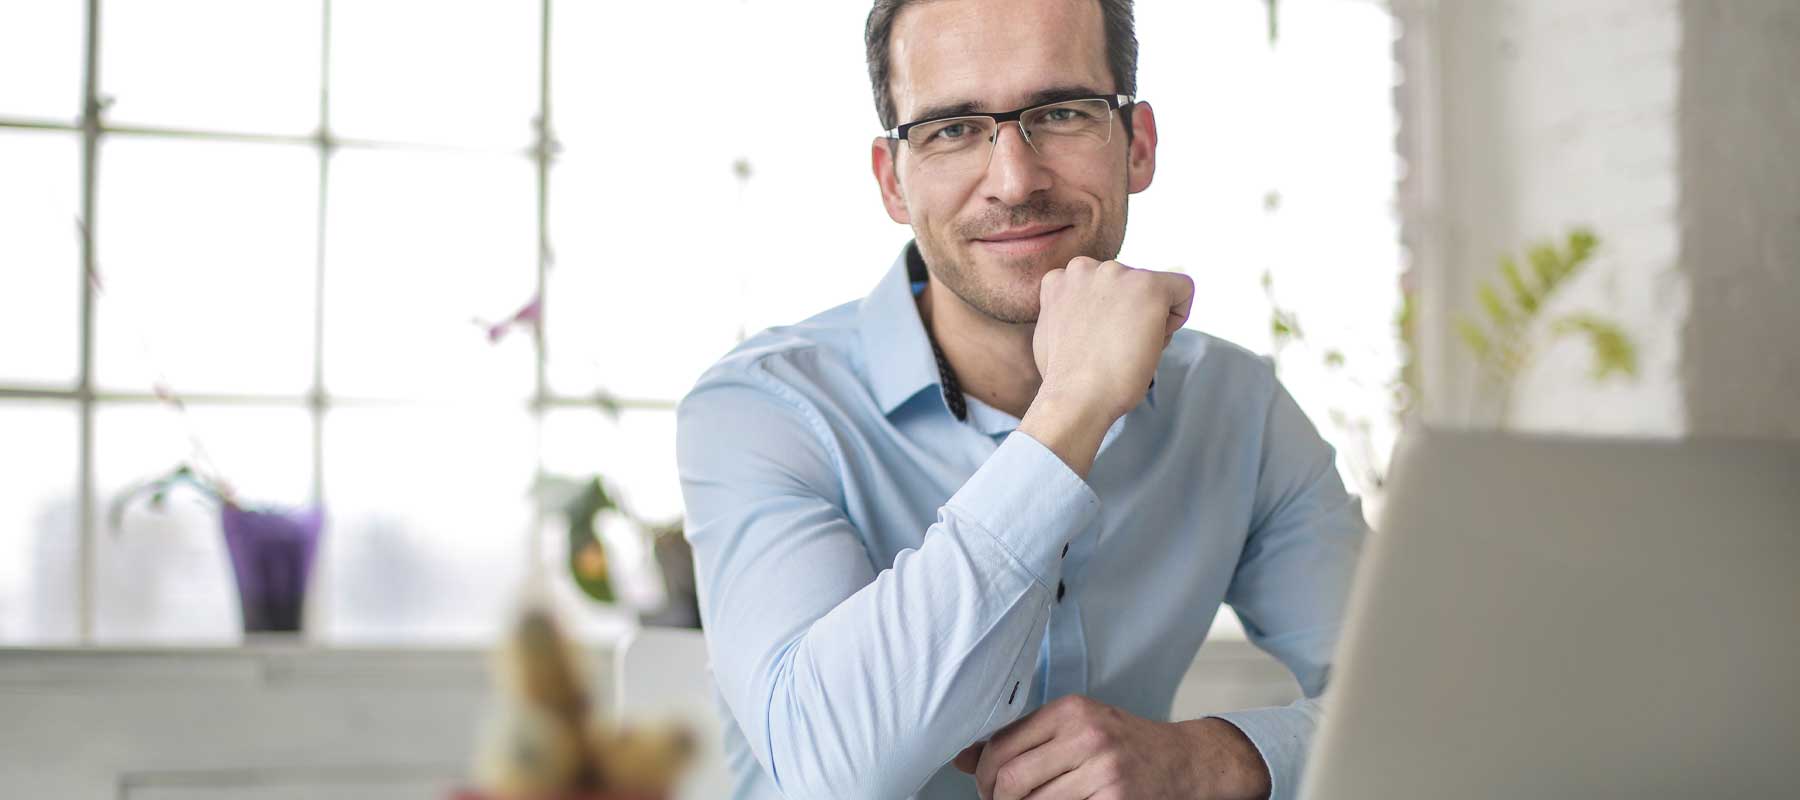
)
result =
(1101, 330)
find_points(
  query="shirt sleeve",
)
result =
(851, 679)
(1292, 581)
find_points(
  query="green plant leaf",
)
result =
(1582, 243)
(1548, 265)
(1284, 325)
(1525, 296)
(1614, 350)
(1494, 306)
(1474, 337)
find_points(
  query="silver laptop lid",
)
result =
(1544, 618)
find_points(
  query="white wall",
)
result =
(1523, 119)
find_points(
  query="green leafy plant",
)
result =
(580, 502)
(1515, 315)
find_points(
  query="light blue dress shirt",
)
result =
(883, 585)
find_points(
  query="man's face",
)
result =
(989, 235)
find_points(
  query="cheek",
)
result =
(932, 207)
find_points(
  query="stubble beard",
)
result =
(1006, 298)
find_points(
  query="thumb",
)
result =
(967, 759)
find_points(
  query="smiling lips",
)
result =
(1022, 241)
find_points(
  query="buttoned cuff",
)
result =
(1281, 736)
(1030, 502)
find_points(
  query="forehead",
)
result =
(994, 54)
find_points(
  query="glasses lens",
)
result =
(1074, 127)
(951, 143)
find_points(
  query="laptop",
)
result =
(1572, 618)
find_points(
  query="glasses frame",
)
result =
(1114, 102)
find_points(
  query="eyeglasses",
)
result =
(1065, 130)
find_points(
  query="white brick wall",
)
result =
(1542, 115)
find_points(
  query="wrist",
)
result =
(1068, 424)
(1226, 763)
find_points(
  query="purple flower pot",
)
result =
(272, 556)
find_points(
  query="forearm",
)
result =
(872, 697)
(888, 686)
(1226, 764)
(1282, 737)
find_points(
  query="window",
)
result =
(304, 214)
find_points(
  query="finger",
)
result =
(1038, 766)
(1030, 731)
(968, 758)
(1179, 289)
(1084, 261)
(1077, 784)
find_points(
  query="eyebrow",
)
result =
(1055, 94)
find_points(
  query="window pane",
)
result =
(428, 71)
(39, 523)
(1205, 68)
(165, 575)
(424, 250)
(430, 515)
(593, 44)
(849, 239)
(635, 454)
(40, 197)
(206, 250)
(1336, 240)
(43, 39)
(649, 276)
(213, 64)
(648, 284)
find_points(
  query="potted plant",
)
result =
(272, 547)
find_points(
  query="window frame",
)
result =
(87, 397)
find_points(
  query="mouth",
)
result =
(1022, 241)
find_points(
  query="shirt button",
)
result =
(1060, 588)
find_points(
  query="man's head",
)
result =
(931, 58)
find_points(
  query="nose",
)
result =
(1014, 170)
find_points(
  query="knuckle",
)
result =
(1110, 767)
(1010, 781)
(1094, 739)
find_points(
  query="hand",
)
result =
(1076, 747)
(1100, 332)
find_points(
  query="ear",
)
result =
(1140, 155)
(883, 159)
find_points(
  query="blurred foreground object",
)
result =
(545, 742)
(1572, 618)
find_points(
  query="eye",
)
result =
(953, 131)
(1068, 114)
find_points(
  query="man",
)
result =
(980, 521)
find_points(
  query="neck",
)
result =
(992, 359)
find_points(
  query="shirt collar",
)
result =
(897, 357)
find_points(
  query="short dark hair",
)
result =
(1121, 52)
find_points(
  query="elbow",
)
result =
(807, 767)
(820, 750)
